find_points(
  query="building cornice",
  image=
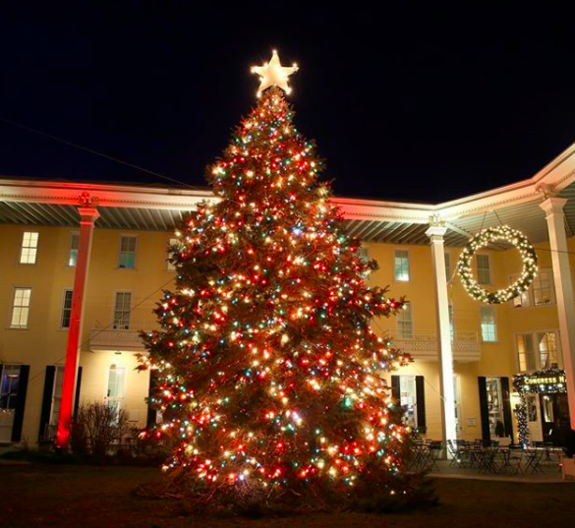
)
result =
(555, 176)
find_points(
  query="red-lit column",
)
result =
(88, 216)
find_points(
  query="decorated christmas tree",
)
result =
(270, 375)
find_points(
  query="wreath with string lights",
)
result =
(482, 239)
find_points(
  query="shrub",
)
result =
(98, 429)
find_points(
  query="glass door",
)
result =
(9, 383)
(535, 430)
(555, 417)
(495, 408)
(408, 399)
(116, 387)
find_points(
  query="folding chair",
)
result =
(534, 457)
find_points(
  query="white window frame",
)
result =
(489, 268)
(14, 307)
(529, 295)
(552, 299)
(114, 325)
(495, 329)
(557, 345)
(27, 250)
(410, 311)
(121, 400)
(63, 308)
(119, 258)
(516, 347)
(408, 258)
(74, 234)
(536, 351)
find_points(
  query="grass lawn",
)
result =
(86, 497)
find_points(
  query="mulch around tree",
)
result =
(90, 497)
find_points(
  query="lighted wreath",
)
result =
(481, 240)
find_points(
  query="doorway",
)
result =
(554, 417)
(9, 385)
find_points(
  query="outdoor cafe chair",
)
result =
(533, 457)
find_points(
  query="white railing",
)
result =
(119, 337)
(425, 346)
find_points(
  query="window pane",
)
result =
(9, 385)
(20, 307)
(29, 250)
(122, 310)
(525, 352)
(116, 382)
(57, 396)
(543, 288)
(531, 401)
(494, 404)
(408, 399)
(548, 352)
(67, 308)
(404, 323)
(74, 244)
(483, 270)
(488, 325)
(401, 265)
(127, 252)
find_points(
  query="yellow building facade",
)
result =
(39, 228)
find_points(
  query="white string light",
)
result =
(481, 240)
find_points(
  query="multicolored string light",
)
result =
(269, 370)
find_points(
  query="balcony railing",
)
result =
(118, 337)
(421, 346)
(425, 346)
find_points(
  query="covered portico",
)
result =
(542, 207)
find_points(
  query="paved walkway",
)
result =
(548, 475)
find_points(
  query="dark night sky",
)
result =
(414, 104)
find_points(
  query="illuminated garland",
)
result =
(481, 240)
(540, 381)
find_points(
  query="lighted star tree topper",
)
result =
(270, 373)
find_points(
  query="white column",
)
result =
(436, 233)
(555, 216)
